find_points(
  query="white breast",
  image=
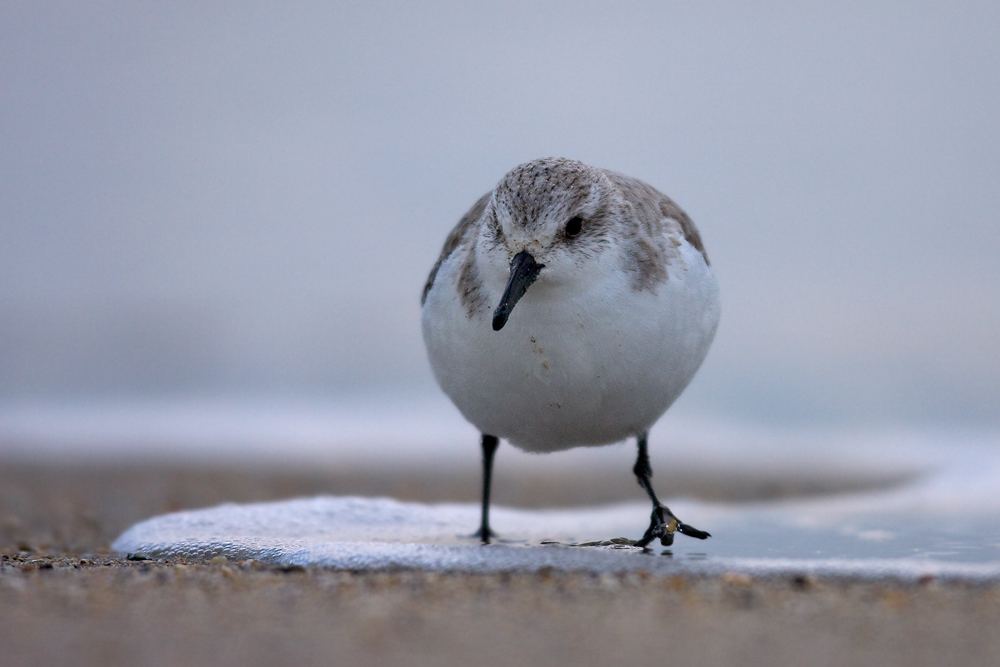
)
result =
(584, 363)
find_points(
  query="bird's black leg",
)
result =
(663, 523)
(490, 444)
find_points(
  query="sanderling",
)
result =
(616, 306)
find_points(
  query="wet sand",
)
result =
(66, 600)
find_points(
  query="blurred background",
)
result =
(216, 218)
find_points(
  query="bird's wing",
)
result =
(455, 238)
(652, 206)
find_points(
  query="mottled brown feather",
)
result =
(455, 239)
(644, 198)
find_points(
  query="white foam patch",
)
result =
(328, 530)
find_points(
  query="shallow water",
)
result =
(944, 521)
(364, 533)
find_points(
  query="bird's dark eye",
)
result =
(574, 226)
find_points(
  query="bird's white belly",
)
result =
(572, 367)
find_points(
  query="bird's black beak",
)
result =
(523, 271)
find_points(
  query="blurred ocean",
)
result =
(410, 428)
(199, 201)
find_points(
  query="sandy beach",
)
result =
(69, 601)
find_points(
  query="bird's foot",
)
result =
(663, 524)
(485, 538)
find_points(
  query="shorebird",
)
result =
(570, 307)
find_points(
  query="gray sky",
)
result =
(205, 197)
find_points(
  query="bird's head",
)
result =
(546, 220)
